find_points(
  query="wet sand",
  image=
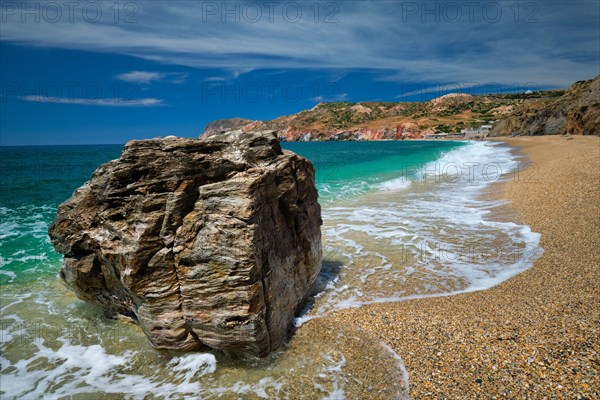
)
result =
(533, 336)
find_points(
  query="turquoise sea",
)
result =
(401, 220)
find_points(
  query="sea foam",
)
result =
(437, 238)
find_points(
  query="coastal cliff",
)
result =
(575, 111)
(203, 243)
(221, 126)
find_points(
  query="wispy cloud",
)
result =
(337, 97)
(230, 74)
(140, 76)
(214, 79)
(556, 45)
(472, 88)
(147, 77)
(177, 77)
(144, 102)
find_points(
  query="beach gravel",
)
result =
(534, 336)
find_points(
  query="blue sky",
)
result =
(108, 72)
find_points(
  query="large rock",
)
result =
(204, 242)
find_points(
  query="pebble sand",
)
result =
(535, 336)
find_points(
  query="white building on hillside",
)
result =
(477, 133)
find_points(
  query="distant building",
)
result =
(477, 133)
(439, 135)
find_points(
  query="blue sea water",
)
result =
(401, 220)
(36, 179)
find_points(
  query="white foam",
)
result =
(442, 226)
(475, 164)
(194, 365)
(336, 394)
(400, 365)
(334, 191)
(10, 330)
(333, 370)
(58, 368)
(79, 369)
(8, 229)
(401, 183)
(259, 389)
(91, 364)
(25, 246)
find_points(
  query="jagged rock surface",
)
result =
(577, 112)
(204, 242)
(221, 126)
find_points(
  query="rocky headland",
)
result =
(574, 111)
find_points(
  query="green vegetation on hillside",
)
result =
(536, 112)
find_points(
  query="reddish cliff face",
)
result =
(575, 111)
(347, 121)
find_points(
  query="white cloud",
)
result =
(336, 97)
(144, 102)
(140, 76)
(176, 77)
(148, 77)
(559, 45)
(215, 79)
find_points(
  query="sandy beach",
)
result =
(533, 336)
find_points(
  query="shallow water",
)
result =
(401, 220)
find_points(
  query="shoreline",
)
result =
(533, 335)
(480, 343)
